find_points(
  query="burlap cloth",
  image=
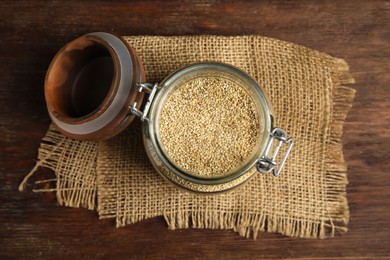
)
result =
(309, 101)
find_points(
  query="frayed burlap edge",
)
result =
(335, 165)
(74, 192)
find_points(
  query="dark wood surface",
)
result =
(31, 32)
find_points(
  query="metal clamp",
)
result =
(147, 88)
(266, 164)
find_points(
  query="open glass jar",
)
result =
(207, 127)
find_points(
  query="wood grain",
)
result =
(31, 32)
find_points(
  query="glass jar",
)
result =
(95, 87)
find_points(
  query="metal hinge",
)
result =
(147, 88)
(266, 164)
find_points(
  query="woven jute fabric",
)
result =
(310, 101)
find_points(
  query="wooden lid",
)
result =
(90, 85)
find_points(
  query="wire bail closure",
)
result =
(147, 88)
(266, 164)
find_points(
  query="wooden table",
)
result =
(31, 32)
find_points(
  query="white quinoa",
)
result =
(209, 126)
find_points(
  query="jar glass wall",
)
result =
(187, 178)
